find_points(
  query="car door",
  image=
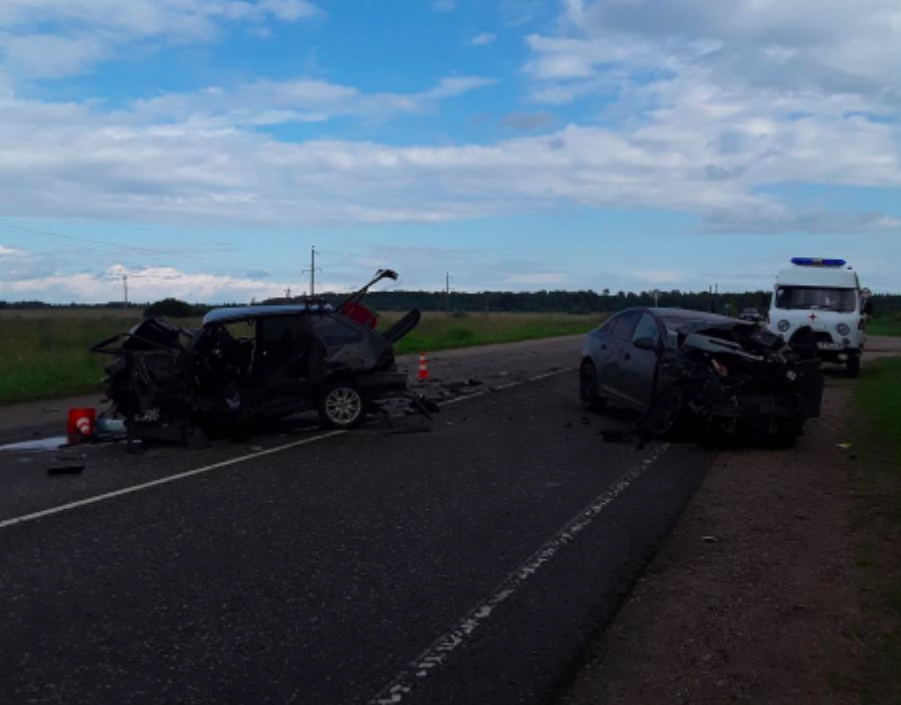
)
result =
(614, 346)
(639, 366)
(283, 345)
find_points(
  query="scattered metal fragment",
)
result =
(66, 469)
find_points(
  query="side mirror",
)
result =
(645, 343)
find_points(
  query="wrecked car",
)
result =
(673, 366)
(249, 364)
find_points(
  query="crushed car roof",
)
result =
(238, 313)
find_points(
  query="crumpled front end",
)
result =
(744, 379)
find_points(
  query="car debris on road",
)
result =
(251, 364)
(674, 365)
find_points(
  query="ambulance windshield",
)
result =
(810, 298)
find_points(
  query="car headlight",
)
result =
(843, 329)
(784, 326)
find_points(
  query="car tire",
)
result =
(341, 406)
(668, 413)
(852, 366)
(589, 397)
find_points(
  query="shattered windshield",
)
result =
(811, 298)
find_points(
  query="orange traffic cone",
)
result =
(423, 368)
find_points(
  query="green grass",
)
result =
(878, 397)
(439, 332)
(889, 324)
(46, 356)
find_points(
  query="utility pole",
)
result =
(288, 294)
(312, 270)
(447, 278)
(125, 289)
(656, 296)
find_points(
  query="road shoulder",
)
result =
(755, 597)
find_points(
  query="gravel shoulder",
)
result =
(756, 597)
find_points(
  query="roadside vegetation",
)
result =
(46, 355)
(49, 356)
(440, 332)
(889, 324)
(879, 525)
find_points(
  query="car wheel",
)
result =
(853, 366)
(588, 388)
(668, 412)
(341, 406)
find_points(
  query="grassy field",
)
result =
(885, 325)
(46, 355)
(878, 397)
(438, 332)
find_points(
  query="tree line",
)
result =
(493, 301)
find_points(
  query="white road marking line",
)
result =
(550, 374)
(457, 400)
(430, 660)
(164, 480)
(209, 468)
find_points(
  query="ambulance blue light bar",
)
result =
(818, 262)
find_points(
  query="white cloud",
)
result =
(94, 30)
(750, 92)
(144, 284)
(50, 56)
(265, 102)
(832, 45)
(703, 149)
(483, 39)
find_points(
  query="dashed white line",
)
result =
(431, 660)
(216, 466)
(164, 480)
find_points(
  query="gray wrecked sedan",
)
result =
(672, 366)
(249, 364)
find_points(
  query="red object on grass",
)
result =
(80, 424)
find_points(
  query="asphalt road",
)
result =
(465, 564)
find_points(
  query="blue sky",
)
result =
(202, 146)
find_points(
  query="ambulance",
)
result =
(826, 295)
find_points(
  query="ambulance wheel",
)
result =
(341, 405)
(852, 366)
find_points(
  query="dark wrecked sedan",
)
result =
(248, 364)
(673, 366)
